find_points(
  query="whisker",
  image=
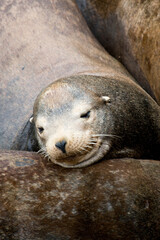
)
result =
(93, 140)
(40, 150)
(79, 151)
(82, 148)
(89, 147)
(92, 143)
(105, 135)
(46, 155)
(43, 153)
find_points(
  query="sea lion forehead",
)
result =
(62, 93)
(57, 95)
(59, 98)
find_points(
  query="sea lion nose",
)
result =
(61, 145)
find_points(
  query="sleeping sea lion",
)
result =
(49, 47)
(81, 119)
(42, 41)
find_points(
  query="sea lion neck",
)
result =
(91, 58)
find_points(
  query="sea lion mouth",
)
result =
(92, 157)
(101, 146)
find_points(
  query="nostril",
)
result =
(61, 145)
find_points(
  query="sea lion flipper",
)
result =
(25, 140)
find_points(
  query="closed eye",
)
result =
(85, 115)
(40, 129)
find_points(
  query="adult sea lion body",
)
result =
(116, 199)
(50, 47)
(129, 31)
(42, 41)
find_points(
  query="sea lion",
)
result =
(42, 41)
(81, 119)
(115, 199)
(129, 31)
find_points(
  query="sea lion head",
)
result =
(68, 124)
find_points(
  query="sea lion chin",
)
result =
(90, 155)
(81, 119)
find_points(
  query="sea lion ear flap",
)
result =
(31, 120)
(106, 99)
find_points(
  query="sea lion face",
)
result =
(69, 124)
